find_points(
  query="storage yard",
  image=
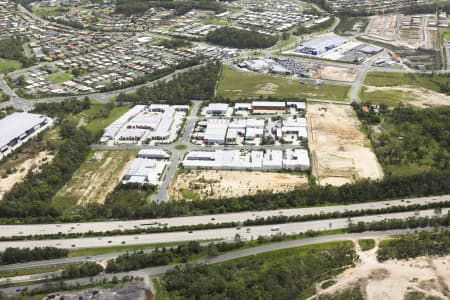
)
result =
(192, 184)
(339, 151)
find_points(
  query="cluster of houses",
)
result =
(244, 160)
(279, 5)
(113, 66)
(153, 124)
(374, 5)
(270, 22)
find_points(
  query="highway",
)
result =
(32, 229)
(156, 271)
(199, 235)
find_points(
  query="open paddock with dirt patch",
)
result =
(340, 152)
(199, 184)
(95, 178)
(235, 85)
(395, 279)
(393, 96)
(20, 170)
(336, 73)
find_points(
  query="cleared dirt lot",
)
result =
(392, 279)
(340, 152)
(336, 73)
(96, 177)
(216, 184)
(419, 97)
(31, 164)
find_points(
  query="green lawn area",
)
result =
(431, 82)
(2, 97)
(9, 65)
(59, 77)
(390, 98)
(366, 244)
(21, 272)
(235, 85)
(44, 12)
(98, 124)
(446, 35)
(114, 249)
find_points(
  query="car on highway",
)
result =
(109, 242)
(190, 231)
(123, 242)
(73, 245)
(275, 228)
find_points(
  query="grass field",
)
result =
(2, 97)
(9, 65)
(235, 85)
(366, 244)
(114, 249)
(389, 97)
(98, 124)
(397, 79)
(21, 272)
(59, 77)
(97, 176)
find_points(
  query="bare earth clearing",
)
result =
(336, 73)
(32, 164)
(392, 279)
(214, 184)
(339, 150)
(419, 97)
(97, 176)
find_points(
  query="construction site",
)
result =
(202, 184)
(340, 153)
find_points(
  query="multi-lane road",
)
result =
(43, 229)
(156, 271)
(210, 234)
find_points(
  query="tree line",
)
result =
(240, 38)
(413, 245)
(196, 84)
(410, 137)
(133, 7)
(11, 48)
(161, 257)
(19, 255)
(411, 222)
(288, 275)
(86, 269)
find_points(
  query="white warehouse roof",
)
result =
(17, 124)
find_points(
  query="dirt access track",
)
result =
(340, 152)
(394, 279)
(222, 184)
(96, 177)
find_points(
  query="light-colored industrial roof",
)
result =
(16, 124)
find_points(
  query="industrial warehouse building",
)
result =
(18, 128)
(145, 124)
(320, 45)
(269, 160)
(147, 168)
